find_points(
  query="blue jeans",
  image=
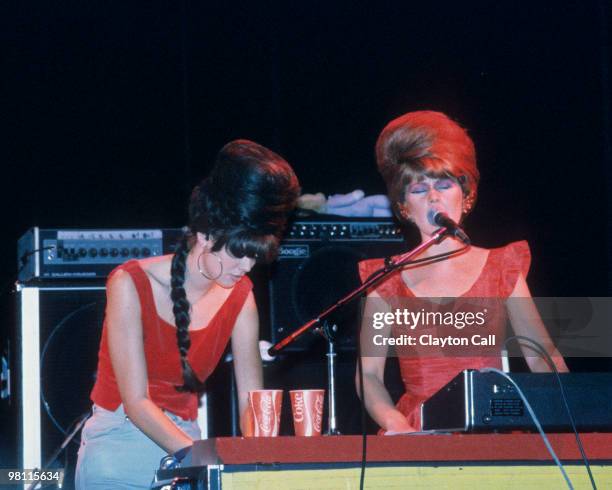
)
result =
(116, 454)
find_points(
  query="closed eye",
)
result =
(443, 184)
(419, 189)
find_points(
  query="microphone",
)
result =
(438, 218)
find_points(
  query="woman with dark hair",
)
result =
(428, 163)
(169, 318)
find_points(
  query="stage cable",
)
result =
(535, 419)
(364, 435)
(552, 365)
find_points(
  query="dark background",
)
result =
(114, 110)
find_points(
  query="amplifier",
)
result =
(344, 229)
(486, 402)
(78, 254)
(317, 266)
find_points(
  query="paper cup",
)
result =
(307, 409)
(265, 406)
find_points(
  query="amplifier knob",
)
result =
(114, 252)
(125, 252)
(93, 252)
(82, 252)
(146, 252)
(136, 252)
(104, 252)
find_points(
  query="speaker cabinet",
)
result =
(58, 340)
(59, 337)
(310, 276)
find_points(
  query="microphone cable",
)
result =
(535, 421)
(544, 353)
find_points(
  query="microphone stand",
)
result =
(321, 325)
(329, 332)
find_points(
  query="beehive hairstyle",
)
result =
(426, 144)
(243, 205)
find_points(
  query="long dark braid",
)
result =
(182, 318)
(243, 206)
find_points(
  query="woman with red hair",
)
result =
(428, 163)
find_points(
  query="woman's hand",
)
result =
(397, 422)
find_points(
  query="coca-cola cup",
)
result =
(307, 408)
(265, 406)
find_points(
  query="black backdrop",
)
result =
(113, 110)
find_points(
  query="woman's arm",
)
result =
(378, 402)
(526, 321)
(247, 359)
(125, 344)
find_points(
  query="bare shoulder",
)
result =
(120, 285)
(122, 303)
(157, 269)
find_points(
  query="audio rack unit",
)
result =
(87, 254)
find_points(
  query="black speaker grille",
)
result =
(303, 285)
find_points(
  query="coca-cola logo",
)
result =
(298, 407)
(266, 413)
(318, 413)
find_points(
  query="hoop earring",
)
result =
(201, 269)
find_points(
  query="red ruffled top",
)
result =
(161, 351)
(422, 377)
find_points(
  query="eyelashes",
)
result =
(439, 185)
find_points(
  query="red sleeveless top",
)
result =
(422, 377)
(161, 351)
